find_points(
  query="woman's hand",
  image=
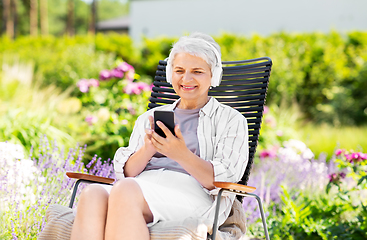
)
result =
(173, 147)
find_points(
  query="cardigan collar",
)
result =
(209, 108)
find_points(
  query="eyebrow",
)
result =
(195, 68)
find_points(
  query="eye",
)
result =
(198, 72)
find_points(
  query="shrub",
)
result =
(110, 107)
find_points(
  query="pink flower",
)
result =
(271, 121)
(338, 152)
(131, 110)
(83, 85)
(355, 156)
(117, 73)
(268, 153)
(136, 88)
(349, 157)
(144, 86)
(124, 67)
(279, 133)
(91, 120)
(130, 75)
(93, 82)
(363, 156)
(105, 75)
(132, 88)
(266, 109)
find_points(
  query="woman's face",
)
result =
(191, 79)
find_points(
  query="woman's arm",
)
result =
(138, 160)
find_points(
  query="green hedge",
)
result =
(326, 74)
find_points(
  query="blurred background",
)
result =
(317, 90)
(76, 74)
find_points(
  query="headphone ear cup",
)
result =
(169, 72)
(217, 76)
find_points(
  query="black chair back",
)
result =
(243, 87)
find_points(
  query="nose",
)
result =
(187, 77)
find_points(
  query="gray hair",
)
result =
(199, 45)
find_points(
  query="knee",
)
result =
(126, 190)
(94, 193)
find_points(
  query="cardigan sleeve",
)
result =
(136, 141)
(231, 151)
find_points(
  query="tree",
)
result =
(8, 8)
(93, 21)
(70, 18)
(44, 17)
(33, 17)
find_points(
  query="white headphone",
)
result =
(217, 70)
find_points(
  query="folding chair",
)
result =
(243, 87)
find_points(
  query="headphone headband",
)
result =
(216, 69)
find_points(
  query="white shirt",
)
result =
(223, 140)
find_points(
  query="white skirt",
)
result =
(172, 195)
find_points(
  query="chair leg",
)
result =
(215, 224)
(74, 193)
(263, 218)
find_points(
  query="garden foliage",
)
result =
(324, 73)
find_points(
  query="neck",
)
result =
(186, 104)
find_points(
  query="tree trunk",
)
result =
(13, 7)
(33, 17)
(93, 21)
(70, 20)
(9, 22)
(44, 17)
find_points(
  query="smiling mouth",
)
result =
(188, 87)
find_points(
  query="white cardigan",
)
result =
(223, 140)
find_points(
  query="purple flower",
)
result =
(105, 75)
(117, 73)
(336, 177)
(83, 85)
(333, 177)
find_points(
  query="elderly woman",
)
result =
(163, 179)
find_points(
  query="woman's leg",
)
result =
(91, 215)
(128, 212)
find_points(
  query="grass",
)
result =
(326, 139)
(322, 138)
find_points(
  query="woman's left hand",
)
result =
(173, 147)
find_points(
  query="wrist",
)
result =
(149, 150)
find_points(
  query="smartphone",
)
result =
(167, 118)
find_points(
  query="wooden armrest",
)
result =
(234, 186)
(89, 177)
